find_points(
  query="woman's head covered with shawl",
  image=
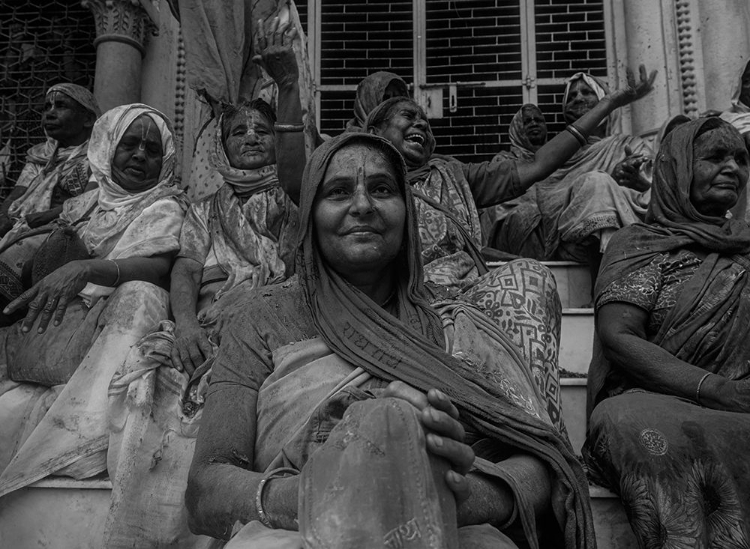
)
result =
(106, 136)
(251, 180)
(373, 90)
(600, 88)
(80, 95)
(325, 289)
(404, 123)
(528, 116)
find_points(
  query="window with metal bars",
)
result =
(42, 42)
(488, 56)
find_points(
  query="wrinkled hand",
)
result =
(627, 173)
(274, 52)
(633, 90)
(51, 296)
(445, 435)
(191, 348)
(38, 219)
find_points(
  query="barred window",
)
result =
(42, 42)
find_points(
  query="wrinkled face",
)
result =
(66, 120)
(138, 156)
(534, 126)
(249, 140)
(409, 131)
(581, 99)
(745, 89)
(359, 213)
(721, 166)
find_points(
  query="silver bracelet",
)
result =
(117, 280)
(698, 389)
(288, 127)
(275, 473)
(576, 132)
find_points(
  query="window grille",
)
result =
(42, 42)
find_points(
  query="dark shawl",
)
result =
(698, 326)
(409, 347)
(370, 92)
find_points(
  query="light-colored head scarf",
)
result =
(116, 206)
(79, 94)
(601, 89)
(244, 182)
(519, 141)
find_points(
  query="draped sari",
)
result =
(497, 398)
(677, 465)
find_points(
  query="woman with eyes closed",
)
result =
(82, 318)
(668, 385)
(355, 405)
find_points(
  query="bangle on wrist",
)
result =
(698, 389)
(576, 132)
(117, 280)
(288, 127)
(275, 473)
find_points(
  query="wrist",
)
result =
(280, 502)
(717, 392)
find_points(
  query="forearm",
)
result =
(106, 272)
(183, 293)
(491, 502)
(652, 368)
(290, 145)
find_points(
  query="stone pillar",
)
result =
(121, 29)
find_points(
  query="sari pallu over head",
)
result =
(255, 240)
(116, 208)
(714, 305)
(409, 347)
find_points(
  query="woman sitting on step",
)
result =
(83, 315)
(348, 403)
(668, 383)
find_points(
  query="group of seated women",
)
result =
(392, 391)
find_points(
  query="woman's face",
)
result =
(534, 126)
(409, 131)
(66, 120)
(249, 140)
(138, 155)
(721, 166)
(359, 212)
(581, 99)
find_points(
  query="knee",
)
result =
(390, 415)
(138, 299)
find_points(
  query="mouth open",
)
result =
(415, 138)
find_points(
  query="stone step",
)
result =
(69, 514)
(573, 393)
(576, 340)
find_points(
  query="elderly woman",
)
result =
(85, 315)
(56, 169)
(669, 384)
(527, 134)
(371, 92)
(340, 377)
(448, 192)
(572, 213)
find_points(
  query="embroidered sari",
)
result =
(679, 468)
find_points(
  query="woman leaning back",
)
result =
(668, 383)
(347, 376)
(84, 316)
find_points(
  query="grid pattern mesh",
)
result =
(466, 41)
(42, 42)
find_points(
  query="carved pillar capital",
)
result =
(121, 21)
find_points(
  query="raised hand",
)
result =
(273, 50)
(633, 90)
(191, 348)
